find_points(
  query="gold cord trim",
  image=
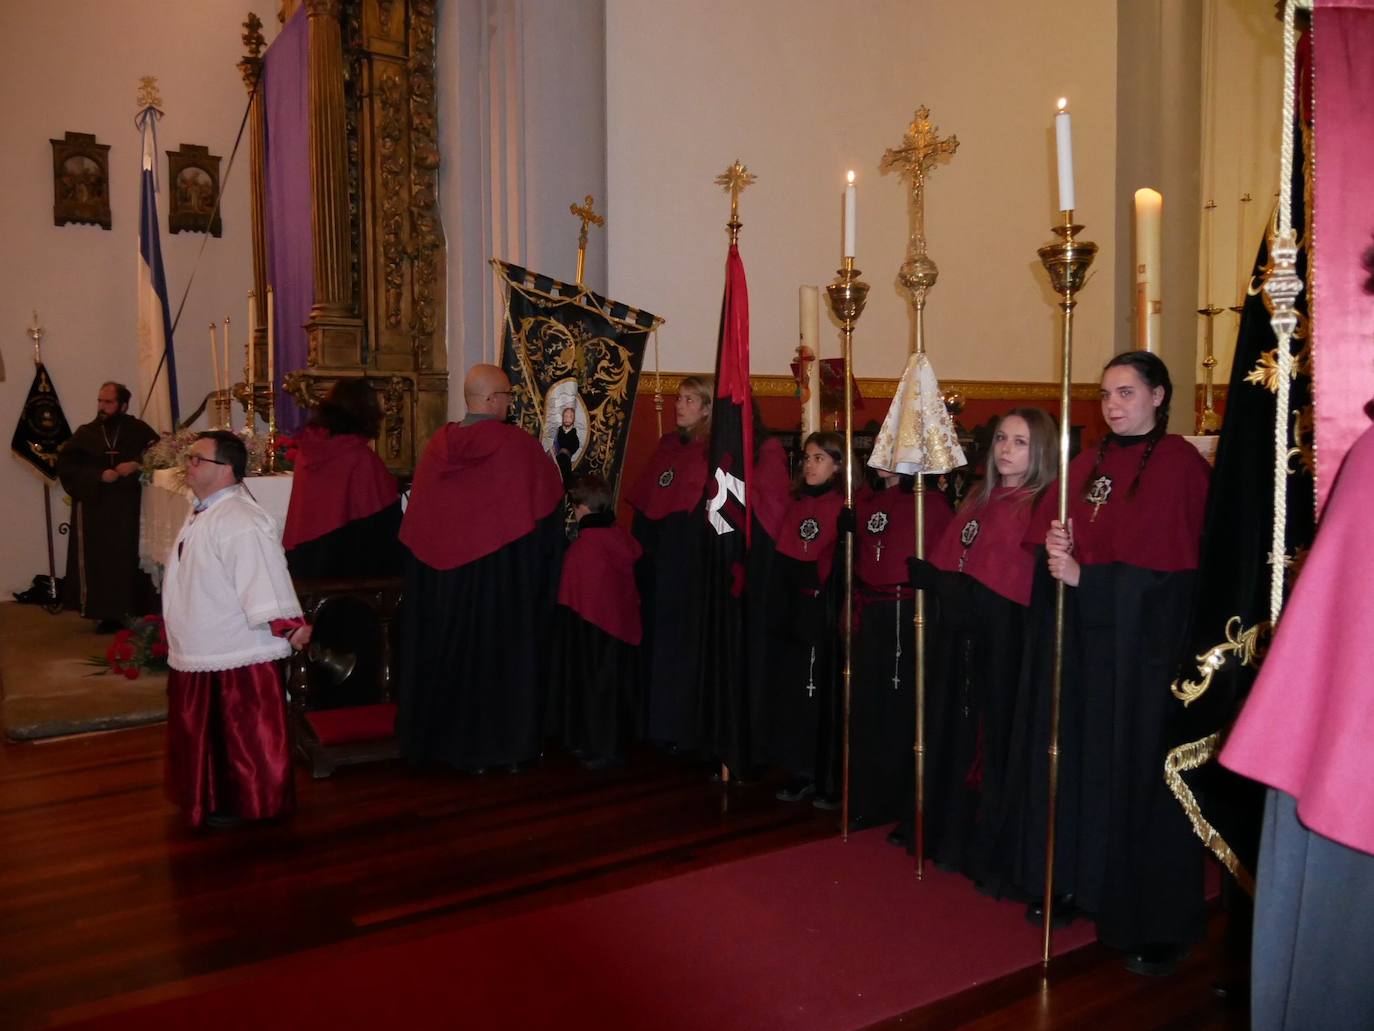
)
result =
(1180, 761)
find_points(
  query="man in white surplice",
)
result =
(232, 616)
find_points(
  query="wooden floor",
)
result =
(105, 898)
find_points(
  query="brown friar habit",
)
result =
(103, 578)
(484, 529)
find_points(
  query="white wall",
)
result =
(74, 65)
(801, 90)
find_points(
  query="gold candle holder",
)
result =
(1209, 422)
(1067, 264)
(847, 296)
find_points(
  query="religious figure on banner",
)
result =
(565, 427)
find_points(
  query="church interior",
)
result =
(443, 149)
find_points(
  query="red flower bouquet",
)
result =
(139, 646)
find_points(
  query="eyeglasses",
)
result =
(194, 460)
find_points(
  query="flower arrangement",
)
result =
(168, 452)
(288, 452)
(139, 646)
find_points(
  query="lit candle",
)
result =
(1149, 212)
(1207, 210)
(271, 341)
(228, 411)
(1063, 138)
(809, 311)
(214, 356)
(851, 219)
(1243, 268)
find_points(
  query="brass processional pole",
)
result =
(847, 295)
(921, 148)
(1067, 263)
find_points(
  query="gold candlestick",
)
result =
(847, 296)
(1067, 263)
(1209, 421)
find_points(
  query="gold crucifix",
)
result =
(585, 212)
(921, 148)
(735, 179)
(148, 95)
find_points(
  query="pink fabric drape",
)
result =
(1343, 228)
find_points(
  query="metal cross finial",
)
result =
(36, 335)
(921, 149)
(585, 212)
(148, 95)
(735, 179)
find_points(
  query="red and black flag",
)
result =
(730, 460)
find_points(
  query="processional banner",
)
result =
(573, 359)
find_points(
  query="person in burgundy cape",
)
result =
(1307, 733)
(345, 510)
(232, 616)
(484, 529)
(883, 713)
(670, 525)
(1124, 850)
(979, 582)
(797, 729)
(594, 704)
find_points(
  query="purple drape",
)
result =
(290, 259)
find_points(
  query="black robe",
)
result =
(103, 577)
(473, 656)
(1123, 847)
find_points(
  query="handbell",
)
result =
(337, 665)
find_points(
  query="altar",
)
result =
(167, 500)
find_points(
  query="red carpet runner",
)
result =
(826, 935)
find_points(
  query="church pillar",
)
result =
(1159, 145)
(335, 331)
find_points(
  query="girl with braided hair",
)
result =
(1125, 853)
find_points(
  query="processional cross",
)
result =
(921, 148)
(585, 212)
(735, 179)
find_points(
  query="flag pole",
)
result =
(36, 335)
(847, 295)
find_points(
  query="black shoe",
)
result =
(602, 762)
(826, 803)
(521, 767)
(796, 790)
(1233, 991)
(1065, 912)
(1155, 960)
(223, 821)
(108, 626)
(900, 836)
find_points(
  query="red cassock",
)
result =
(228, 749)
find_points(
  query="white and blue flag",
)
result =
(157, 370)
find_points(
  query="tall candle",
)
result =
(1243, 268)
(228, 409)
(1063, 138)
(1207, 210)
(809, 314)
(271, 342)
(1149, 214)
(214, 357)
(851, 218)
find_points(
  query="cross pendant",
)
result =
(962, 559)
(112, 456)
(879, 548)
(1097, 507)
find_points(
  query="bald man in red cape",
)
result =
(484, 529)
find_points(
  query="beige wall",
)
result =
(801, 90)
(74, 65)
(1240, 153)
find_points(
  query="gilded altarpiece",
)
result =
(379, 308)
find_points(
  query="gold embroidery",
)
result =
(1180, 761)
(1248, 646)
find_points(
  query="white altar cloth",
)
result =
(167, 500)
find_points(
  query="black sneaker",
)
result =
(796, 790)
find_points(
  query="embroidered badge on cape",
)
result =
(666, 479)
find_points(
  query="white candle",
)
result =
(228, 409)
(851, 219)
(214, 356)
(1149, 214)
(809, 315)
(1063, 138)
(271, 341)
